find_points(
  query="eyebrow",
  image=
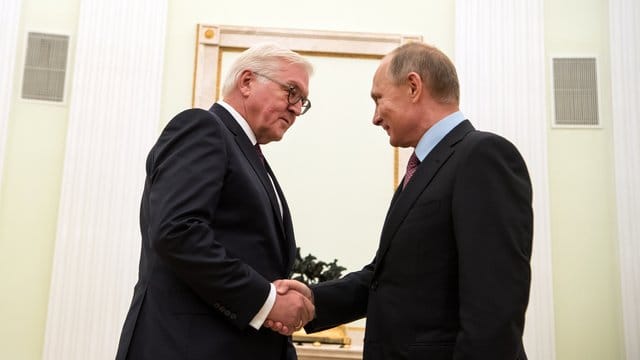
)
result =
(293, 84)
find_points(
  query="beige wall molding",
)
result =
(322, 48)
(213, 39)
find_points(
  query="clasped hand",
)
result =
(293, 307)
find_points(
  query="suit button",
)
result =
(374, 285)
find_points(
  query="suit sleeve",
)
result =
(493, 225)
(187, 173)
(341, 301)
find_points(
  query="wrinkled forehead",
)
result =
(381, 75)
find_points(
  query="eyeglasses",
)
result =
(295, 94)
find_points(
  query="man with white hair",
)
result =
(216, 229)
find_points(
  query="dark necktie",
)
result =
(412, 165)
(269, 174)
(259, 151)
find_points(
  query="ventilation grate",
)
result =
(575, 91)
(45, 67)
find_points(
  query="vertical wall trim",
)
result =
(500, 58)
(113, 121)
(625, 93)
(10, 10)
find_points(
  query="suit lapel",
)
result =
(403, 200)
(244, 144)
(289, 246)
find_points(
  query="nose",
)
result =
(377, 119)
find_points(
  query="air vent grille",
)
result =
(575, 91)
(45, 67)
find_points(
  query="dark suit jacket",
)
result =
(212, 241)
(451, 276)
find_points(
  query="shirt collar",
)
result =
(241, 121)
(436, 133)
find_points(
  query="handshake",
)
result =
(293, 307)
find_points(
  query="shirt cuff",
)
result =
(261, 316)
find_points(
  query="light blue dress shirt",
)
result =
(436, 133)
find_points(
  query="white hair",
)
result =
(265, 59)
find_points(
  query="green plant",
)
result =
(310, 271)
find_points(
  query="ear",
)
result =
(415, 85)
(244, 82)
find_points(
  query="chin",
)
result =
(395, 143)
(277, 137)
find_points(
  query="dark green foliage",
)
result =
(310, 271)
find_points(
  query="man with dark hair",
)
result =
(451, 276)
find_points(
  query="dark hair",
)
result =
(434, 67)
